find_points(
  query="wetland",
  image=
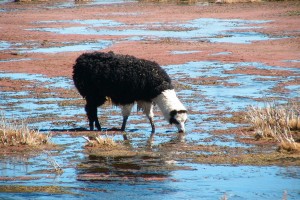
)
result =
(222, 58)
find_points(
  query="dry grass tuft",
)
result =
(99, 141)
(13, 133)
(278, 122)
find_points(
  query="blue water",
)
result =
(209, 29)
(96, 46)
(201, 182)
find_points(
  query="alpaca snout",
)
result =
(181, 128)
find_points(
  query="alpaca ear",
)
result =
(172, 120)
(181, 111)
(173, 113)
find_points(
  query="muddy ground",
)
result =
(221, 58)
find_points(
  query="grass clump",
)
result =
(14, 133)
(99, 141)
(279, 122)
(29, 189)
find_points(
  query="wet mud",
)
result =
(221, 58)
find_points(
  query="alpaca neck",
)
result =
(167, 101)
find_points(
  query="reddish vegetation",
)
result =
(284, 15)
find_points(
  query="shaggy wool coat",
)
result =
(123, 78)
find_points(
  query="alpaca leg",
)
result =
(152, 125)
(126, 110)
(97, 124)
(147, 108)
(91, 112)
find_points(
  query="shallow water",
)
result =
(191, 182)
(216, 97)
(69, 48)
(4, 45)
(139, 177)
(208, 29)
(64, 47)
(249, 87)
(72, 4)
(198, 182)
(203, 29)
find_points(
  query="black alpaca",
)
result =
(125, 80)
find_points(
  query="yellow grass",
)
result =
(278, 122)
(13, 133)
(99, 141)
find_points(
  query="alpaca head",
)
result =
(172, 109)
(178, 117)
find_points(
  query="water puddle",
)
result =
(4, 45)
(15, 60)
(5, 1)
(221, 53)
(61, 82)
(71, 48)
(221, 96)
(56, 48)
(193, 182)
(184, 52)
(72, 4)
(292, 61)
(42, 106)
(245, 90)
(204, 29)
(294, 88)
(152, 174)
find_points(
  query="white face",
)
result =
(179, 118)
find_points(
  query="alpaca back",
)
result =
(123, 78)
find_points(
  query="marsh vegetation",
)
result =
(14, 132)
(279, 122)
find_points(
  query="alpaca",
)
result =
(126, 80)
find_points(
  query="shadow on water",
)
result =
(125, 168)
